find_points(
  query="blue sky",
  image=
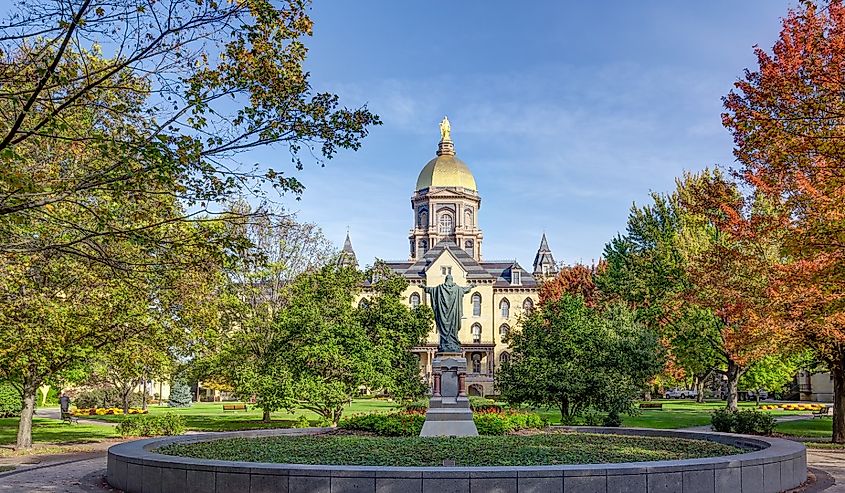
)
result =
(566, 112)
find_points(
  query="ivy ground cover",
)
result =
(508, 450)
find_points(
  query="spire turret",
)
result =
(347, 256)
(544, 261)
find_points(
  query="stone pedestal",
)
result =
(448, 412)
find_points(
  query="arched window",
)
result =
(468, 218)
(528, 305)
(415, 300)
(504, 330)
(468, 246)
(423, 246)
(476, 333)
(505, 307)
(504, 357)
(476, 305)
(446, 224)
(422, 220)
(476, 363)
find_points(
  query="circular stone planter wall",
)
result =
(771, 465)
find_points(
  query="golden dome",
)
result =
(446, 171)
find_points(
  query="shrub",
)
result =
(746, 422)
(612, 419)
(416, 406)
(180, 394)
(301, 422)
(506, 422)
(106, 397)
(146, 425)
(722, 420)
(10, 401)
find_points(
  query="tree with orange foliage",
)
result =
(787, 120)
(577, 280)
(730, 270)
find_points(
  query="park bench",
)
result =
(824, 412)
(69, 418)
(234, 407)
(651, 405)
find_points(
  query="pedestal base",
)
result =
(449, 412)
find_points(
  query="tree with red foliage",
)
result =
(577, 280)
(788, 122)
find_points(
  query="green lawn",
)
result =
(676, 413)
(508, 450)
(209, 416)
(810, 428)
(46, 430)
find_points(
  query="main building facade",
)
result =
(446, 239)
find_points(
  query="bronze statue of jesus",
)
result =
(447, 303)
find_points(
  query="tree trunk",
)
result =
(144, 393)
(699, 388)
(266, 416)
(733, 374)
(564, 412)
(28, 390)
(838, 372)
(647, 395)
(757, 396)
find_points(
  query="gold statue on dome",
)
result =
(445, 130)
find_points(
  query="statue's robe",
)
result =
(447, 303)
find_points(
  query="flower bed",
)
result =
(792, 407)
(102, 411)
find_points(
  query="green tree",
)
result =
(574, 358)
(646, 268)
(395, 329)
(180, 394)
(325, 348)
(773, 372)
(272, 251)
(178, 89)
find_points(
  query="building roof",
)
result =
(500, 272)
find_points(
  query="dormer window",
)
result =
(516, 276)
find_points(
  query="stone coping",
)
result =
(771, 465)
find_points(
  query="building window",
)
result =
(476, 363)
(415, 300)
(504, 357)
(446, 224)
(423, 219)
(446, 270)
(476, 305)
(468, 218)
(505, 307)
(476, 333)
(528, 305)
(504, 330)
(363, 303)
(516, 276)
(545, 269)
(468, 247)
(423, 246)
